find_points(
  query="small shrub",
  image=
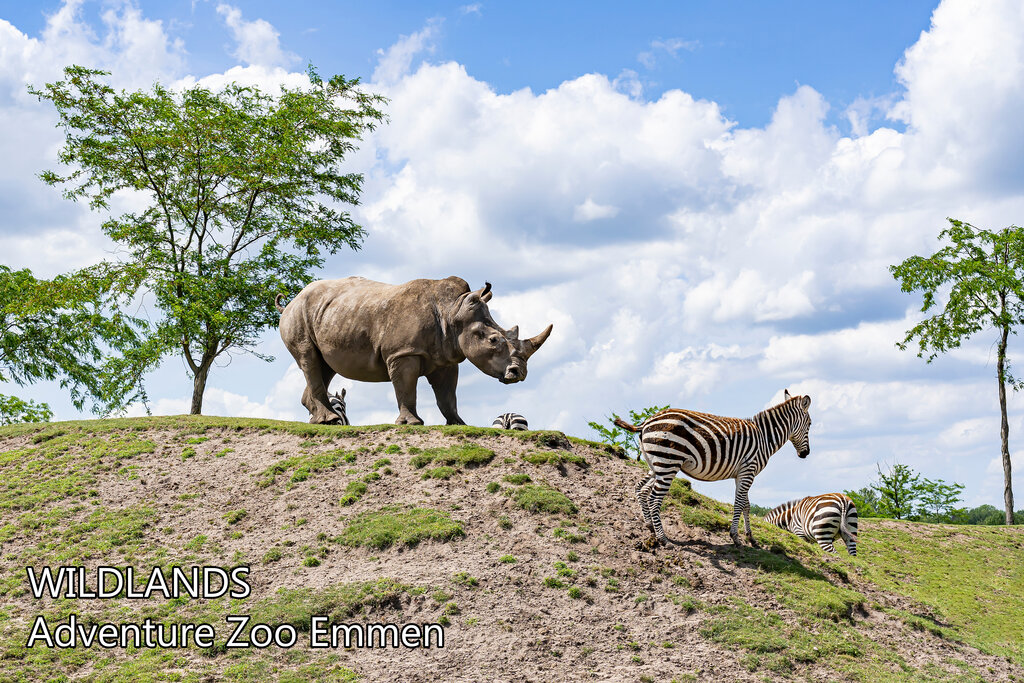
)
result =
(543, 498)
(508, 559)
(382, 462)
(464, 579)
(272, 555)
(311, 561)
(493, 487)
(394, 526)
(439, 473)
(517, 479)
(235, 516)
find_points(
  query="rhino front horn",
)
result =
(534, 343)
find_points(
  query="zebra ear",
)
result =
(786, 396)
(807, 402)
(343, 393)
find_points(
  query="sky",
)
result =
(702, 198)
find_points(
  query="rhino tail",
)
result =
(277, 303)
(625, 425)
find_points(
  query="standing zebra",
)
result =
(711, 448)
(510, 421)
(819, 518)
(337, 402)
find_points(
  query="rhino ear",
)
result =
(512, 334)
(534, 343)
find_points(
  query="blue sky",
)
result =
(703, 198)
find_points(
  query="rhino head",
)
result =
(496, 351)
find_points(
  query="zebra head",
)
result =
(801, 423)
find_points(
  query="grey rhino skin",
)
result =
(375, 332)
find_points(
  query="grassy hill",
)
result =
(525, 546)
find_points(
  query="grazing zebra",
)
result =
(711, 448)
(337, 402)
(819, 518)
(510, 421)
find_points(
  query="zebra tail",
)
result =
(625, 425)
(847, 531)
(277, 303)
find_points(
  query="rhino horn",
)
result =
(534, 343)
(512, 334)
(485, 293)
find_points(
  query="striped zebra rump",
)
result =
(510, 421)
(819, 518)
(337, 404)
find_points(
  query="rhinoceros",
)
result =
(375, 332)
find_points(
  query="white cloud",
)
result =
(669, 46)
(592, 211)
(396, 61)
(257, 42)
(473, 8)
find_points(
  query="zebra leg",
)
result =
(824, 537)
(643, 492)
(660, 487)
(741, 506)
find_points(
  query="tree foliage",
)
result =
(866, 501)
(984, 274)
(63, 330)
(14, 409)
(897, 491)
(243, 195)
(617, 436)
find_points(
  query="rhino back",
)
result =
(359, 324)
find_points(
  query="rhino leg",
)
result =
(318, 376)
(404, 373)
(443, 381)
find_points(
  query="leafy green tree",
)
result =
(897, 490)
(985, 270)
(617, 436)
(937, 501)
(61, 329)
(13, 409)
(243, 192)
(865, 500)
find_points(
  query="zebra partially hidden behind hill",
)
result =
(711, 448)
(510, 421)
(337, 402)
(819, 518)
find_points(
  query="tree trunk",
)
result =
(199, 387)
(1004, 427)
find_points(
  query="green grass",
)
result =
(396, 526)
(970, 580)
(556, 458)
(439, 473)
(543, 498)
(517, 479)
(459, 455)
(304, 466)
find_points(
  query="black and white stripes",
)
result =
(819, 518)
(337, 402)
(711, 448)
(510, 421)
